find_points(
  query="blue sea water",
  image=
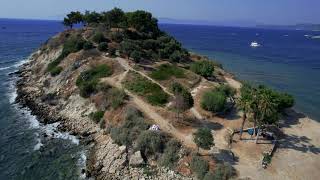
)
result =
(288, 60)
(24, 152)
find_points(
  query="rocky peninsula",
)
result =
(143, 106)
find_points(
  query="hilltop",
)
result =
(145, 106)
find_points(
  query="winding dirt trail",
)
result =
(147, 109)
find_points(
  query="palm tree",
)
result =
(245, 104)
(266, 108)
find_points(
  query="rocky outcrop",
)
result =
(136, 159)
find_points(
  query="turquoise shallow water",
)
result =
(288, 61)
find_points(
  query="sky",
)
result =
(277, 12)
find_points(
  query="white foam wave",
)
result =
(4, 68)
(82, 163)
(51, 130)
(39, 144)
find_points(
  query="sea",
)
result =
(287, 60)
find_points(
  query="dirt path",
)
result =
(148, 110)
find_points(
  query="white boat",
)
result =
(255, 44)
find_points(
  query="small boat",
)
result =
(255, 44)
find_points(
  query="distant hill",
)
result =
(307, 27)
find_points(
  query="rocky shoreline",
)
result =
(105, 160)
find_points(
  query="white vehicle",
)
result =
(254, 44)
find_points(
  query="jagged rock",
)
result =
(136, 159)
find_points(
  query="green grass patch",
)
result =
(144, 87)
(165, 71)
(88, 80)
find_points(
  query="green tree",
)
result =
(114, 18)
(203, 138)
(91, 17)
(74, 17)
(245, 103)
(142, 21)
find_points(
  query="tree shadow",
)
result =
(226, 156)
(196, 123)
(298, 143)
(291, 117)
(232, 114)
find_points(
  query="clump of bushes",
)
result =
(170, 156)
(131, 128)
(88, 45)
(116, 36)
(103, 46)
(203, 138)
(144, 87)
(96, 116)
(214, 101)
(165, 71)
(199, 166)
(136, 55)
(150, 142)
(72, 44)
(204, 68)
(88, 80)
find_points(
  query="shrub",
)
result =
(204, 68)
(176, 56)
(87, 81)
(157, 98)
(284, 100)
(178, 89)
(128, 132)
(88, 88)
(98, 38)
(150, 44)
(213, 101)
(210, 176)
(203, 138)
(136, 55)
(103, 46)
(116, 36)
(170, 156)
(112, 51)
(128, 46)
(150, 142)
(224, 171)
(117, 97)
(88, 45)
(56, 71)
(226, 89)
(96, 116)
(199, 166)
(165, 71)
